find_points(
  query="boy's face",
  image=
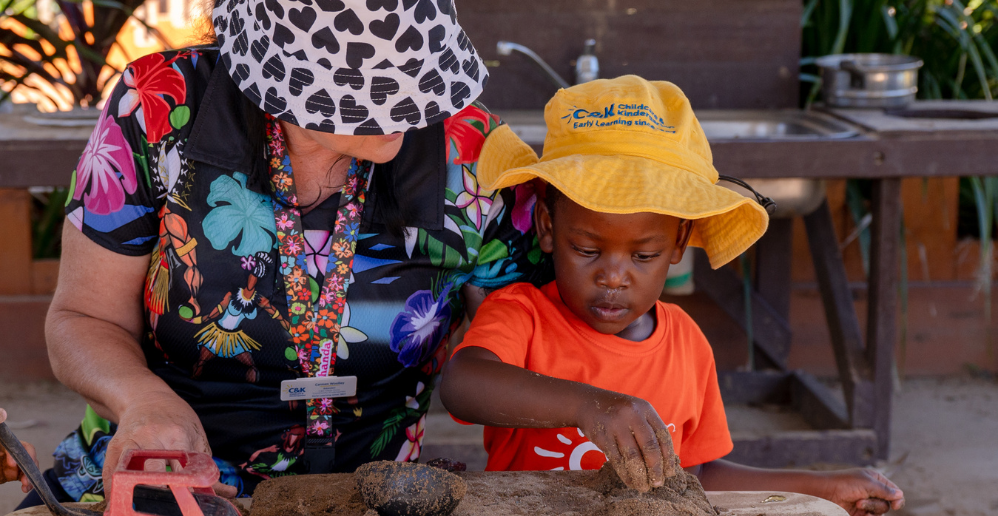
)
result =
(610, 268)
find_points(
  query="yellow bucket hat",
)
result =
(628, 145)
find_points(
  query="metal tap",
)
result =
(505, 48)
(586, 66)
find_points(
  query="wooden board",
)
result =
(945, 118)
(731, 503)
(722, 53)
(15, 233)
(749, 503)
(36, 155)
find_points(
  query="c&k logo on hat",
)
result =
(616, 115)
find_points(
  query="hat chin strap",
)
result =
(768, 204)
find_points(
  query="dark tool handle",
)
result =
(23, 459)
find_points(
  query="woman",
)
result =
(298, 201)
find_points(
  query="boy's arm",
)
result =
(859, 491)
(9, 471)
(479, 388)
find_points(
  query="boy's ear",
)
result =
(543, 225)
(682, 240)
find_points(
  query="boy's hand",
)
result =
(632, 436)
(9, 471)
(863, 492)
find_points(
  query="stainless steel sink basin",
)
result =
(719, 125)
(793, 196)
(771, 125)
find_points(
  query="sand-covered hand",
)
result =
(864, 492)
(633, 437)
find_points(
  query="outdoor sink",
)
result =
(793, 196)
(771, 125)
(720, 125)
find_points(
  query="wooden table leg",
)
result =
(774, 257)
(840, 313)
(883, 302)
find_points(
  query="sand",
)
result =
(581, 493)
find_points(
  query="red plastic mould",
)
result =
(197, 474)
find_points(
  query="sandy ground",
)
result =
(944, 452)
(949, 431)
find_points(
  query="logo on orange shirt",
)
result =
(572, 451)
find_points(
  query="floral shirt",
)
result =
(173, 170)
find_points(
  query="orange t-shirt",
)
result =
(673, 370)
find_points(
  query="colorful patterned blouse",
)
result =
(173, 169)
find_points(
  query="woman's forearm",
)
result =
(94, 325)
(486, 391)
(100, 361)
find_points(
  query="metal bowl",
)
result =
(869, 80)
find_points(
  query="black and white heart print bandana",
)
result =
(350, 66)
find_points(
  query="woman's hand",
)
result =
(160, 422)
(9, 471)
(633, 437)
(863, 492)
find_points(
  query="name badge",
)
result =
(321, 387)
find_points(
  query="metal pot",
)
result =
(869, 80)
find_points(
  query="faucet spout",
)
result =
(587, 65)
(506, 48)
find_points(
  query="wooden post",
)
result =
(774, 258)
(883, 303)
(840, 313)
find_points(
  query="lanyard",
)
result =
(315, 330)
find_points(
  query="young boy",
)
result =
(9, 471)
(592, 367)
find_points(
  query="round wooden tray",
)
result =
(731, 503)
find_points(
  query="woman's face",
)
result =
(377, 149)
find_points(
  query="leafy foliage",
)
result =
(955, 39)
(65, 59)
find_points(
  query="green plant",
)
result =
(46, 223)
(986, 196)
(955, 39)
(65, 57)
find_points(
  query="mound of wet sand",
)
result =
(311, 495)
(578, 493)
(409, 489)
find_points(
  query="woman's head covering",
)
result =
(628, 145)
(350, 66)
